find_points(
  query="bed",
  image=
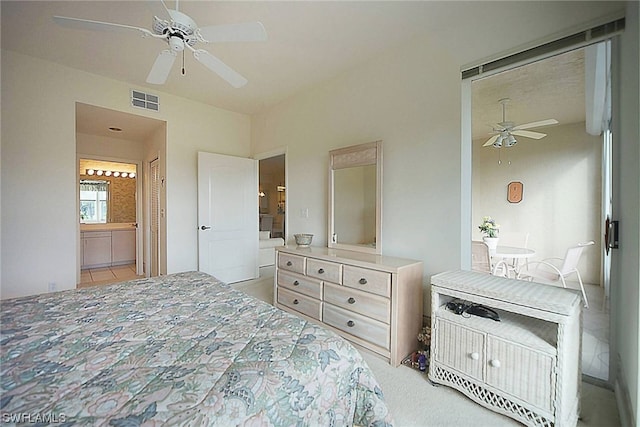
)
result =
(182, 349)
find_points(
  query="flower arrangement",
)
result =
(425, 336)
(489, 227)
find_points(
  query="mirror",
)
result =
(355, 197)
(107, 192)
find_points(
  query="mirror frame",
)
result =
(357, 155)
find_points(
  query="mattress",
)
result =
(176, 350)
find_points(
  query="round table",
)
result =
(514, 254)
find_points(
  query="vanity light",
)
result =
(110, 173)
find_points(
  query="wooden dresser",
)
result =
(374, 301)
(527, 365)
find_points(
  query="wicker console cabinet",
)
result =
(374, 301)
(527, 365)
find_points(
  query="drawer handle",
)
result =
(494, 363)
(320, 270)
(296, 283)
(351, 300)
(363, 281)
(474, 356)
(351, 323)
(295, 301)
(289, 263)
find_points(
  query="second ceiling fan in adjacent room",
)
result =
(505, 132)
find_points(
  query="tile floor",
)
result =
(595, 334)
(106, 275)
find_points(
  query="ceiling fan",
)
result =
(179, 31)
(506, 132)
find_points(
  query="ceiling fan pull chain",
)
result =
(183, 71)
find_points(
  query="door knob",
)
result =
(204, 227)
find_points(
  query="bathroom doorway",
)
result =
(272, 191)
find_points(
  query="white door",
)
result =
(228, 217)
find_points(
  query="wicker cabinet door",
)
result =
(459, 348)
(524, 373)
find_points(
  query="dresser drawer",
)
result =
(376, 282)
(302, 303)
(299, 283)
(375, 332)
(291, 262)
(325, 270)
(370, 305)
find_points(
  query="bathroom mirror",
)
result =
(107, 192)
(355, 197)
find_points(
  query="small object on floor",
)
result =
(422, 362)
(418, 360)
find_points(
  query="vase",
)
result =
(492, 243)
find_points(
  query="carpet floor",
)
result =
(415, 402)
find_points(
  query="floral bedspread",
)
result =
(183, 349)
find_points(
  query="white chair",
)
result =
(481, 260)
(266, 222)
(267, 251)
(557, 270)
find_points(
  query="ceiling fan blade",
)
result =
(159, 9)
(491, 140)
(220, 68)
(536, 124)
(161, 68)
(86, 24)
(246, 32)
(529, 134)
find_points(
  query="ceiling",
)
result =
(548, 89)
(308, 42)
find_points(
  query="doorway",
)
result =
(562, 175)
(122, 138)
(108, 211)
(273, 195)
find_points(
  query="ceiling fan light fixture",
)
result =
(498, 142)
(511, 141)
(176, 43)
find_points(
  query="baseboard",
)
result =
(623, 400)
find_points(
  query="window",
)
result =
(93, 201)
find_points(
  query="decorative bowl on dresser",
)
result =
(373, 301)
(525, 366)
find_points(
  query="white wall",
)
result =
(561, 175)
(39, 222)
(392, 99)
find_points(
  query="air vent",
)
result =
(145, 100)
(580, 39)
